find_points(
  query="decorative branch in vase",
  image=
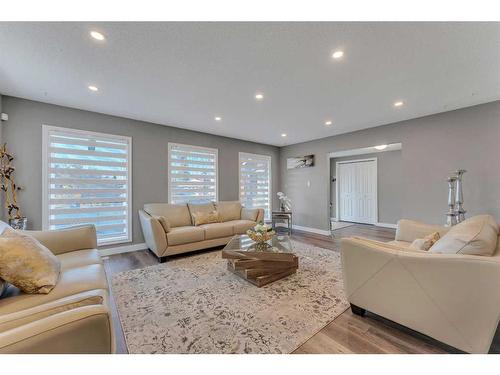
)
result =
(285, 202)
(10, 189)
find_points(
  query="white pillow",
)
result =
(475, 236)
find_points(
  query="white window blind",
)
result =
(255, 182)
(192, 174)
(87, 180)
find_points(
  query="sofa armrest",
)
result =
(410, 230)
(62, 241)
(153, 232)
(460, 290)
(86, 329)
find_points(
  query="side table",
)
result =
(282, 215)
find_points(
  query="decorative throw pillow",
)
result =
(27, 264)
(164, 222)
(475, 236)
(200, 218)
(426, 242)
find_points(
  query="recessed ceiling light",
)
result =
(328, 123)
(217, 118)
(381, 147)
(93, 88)
(398, 103)
(337, 54)
(259, 96)
(97, 35)
(283, 135)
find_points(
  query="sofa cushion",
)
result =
(217, 230)
(186, 234)
(79, 258)
(200, 208)
(27, 264)
(475, 236)
(249, 214)
(228, 211)
(165, 224)
(71, 281)
(176, 214)
(241, 226)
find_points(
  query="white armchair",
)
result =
(453, 298)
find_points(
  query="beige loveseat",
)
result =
(450, 296)
(75, 316)
(169, 228)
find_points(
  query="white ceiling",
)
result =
(185, 74)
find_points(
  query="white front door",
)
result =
(357, 191)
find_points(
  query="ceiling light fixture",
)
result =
(93, 88)
(337, 54)
(97, 35)
(283, 135)
(381, 147)
(328, 123)
(217, 118)
(398, 103)
(259, 96)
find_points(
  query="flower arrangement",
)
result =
(261, 232)
(285, 202)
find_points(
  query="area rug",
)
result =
(195, 305)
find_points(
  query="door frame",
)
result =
(337, 195)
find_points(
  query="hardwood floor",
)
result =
(348, 333)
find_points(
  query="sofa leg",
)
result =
(162, 259)
(356, 310)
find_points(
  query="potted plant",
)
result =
(10, 189)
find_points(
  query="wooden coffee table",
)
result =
(260, 265)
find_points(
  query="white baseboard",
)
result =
(386, 225)
(312, 230)
(123, 249)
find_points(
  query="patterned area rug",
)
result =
(195, 305)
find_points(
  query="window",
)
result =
(192, 174)
(255, 182)
(87, 180)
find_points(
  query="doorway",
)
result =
(356, 182)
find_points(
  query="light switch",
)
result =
(308, 183)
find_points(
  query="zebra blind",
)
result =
(192, 174)
(87, 181)
(255, 182)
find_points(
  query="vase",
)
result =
(20, 223)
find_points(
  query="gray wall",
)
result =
(389, 184)
(433, 146)
(23, 132)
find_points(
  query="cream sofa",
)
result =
(169, 228)
(453, 298)
(75, 316)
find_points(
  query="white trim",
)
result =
(215, 150)
(364, 151)
(337, 212)
(258, 156)
(46, 129)
(386, 225)
(122, 249)
(312, 230)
